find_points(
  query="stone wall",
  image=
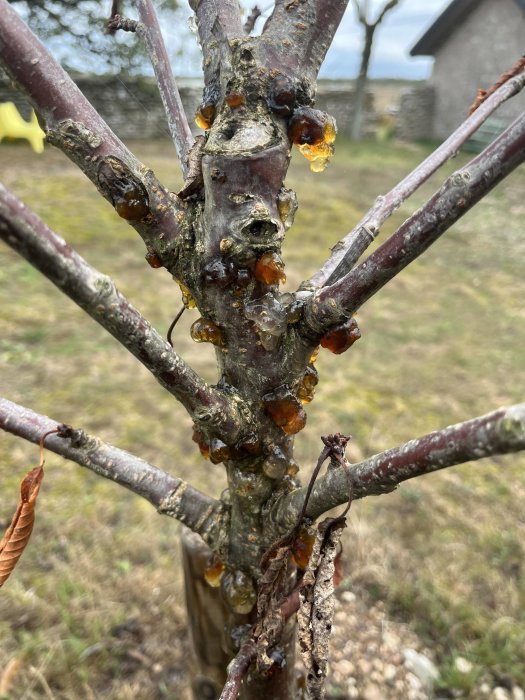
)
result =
(133, 109)
(415, 115)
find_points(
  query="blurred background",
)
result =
(95, 608)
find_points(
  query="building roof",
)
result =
(452, 16)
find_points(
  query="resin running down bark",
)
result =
(221, 239)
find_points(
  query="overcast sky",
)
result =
(399, 31)
(394, 38)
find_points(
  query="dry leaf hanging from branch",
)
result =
(317, 602)
(17, 536)
(274, 586)
(19, 531)
(316, 596)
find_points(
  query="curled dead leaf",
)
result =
(19, 531)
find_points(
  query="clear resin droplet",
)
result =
(238, 591)
(269, 318)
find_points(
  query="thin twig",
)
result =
(150, 32)
(252, 18)
(117, 23)
(499, 432)
(96, 294)
(171, 496)
(237, 670)
(173, 324)
(504, 77)
(334, 304)
(346, 253)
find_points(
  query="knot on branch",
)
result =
(117, 22)
(77, 437)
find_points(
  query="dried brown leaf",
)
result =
(317, 602)
(19, 531)
(273, 587)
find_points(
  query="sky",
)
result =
(394, 38)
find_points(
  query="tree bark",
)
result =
(215, 632)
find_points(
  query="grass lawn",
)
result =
(443, 342)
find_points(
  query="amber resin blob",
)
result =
(281, 95)
(205, 115)
(198, 438)
(238, 591)
(206, 331)
(302, 547)
(214, 571)
(342, 337)
(285, 410)
(235, 100)
(269, 269)
(132, 204)
(187, 298)
(307, 388)
(313, 132)
(153, 259)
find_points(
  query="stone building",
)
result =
(472, 42)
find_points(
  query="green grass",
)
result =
(443, 342)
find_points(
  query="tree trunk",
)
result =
(360, 86)
(213, 628)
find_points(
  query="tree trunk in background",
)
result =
(206, 621)
(360, 86)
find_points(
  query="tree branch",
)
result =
(97, 295)
(361, 13)
(237, 670)
(171, 496)
(149, 30)
(347, 251)
(72, 124)
(218, 22)
(499, 432)
(298, 34)
(389, 6)
(463, 189)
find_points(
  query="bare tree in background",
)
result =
(80, 24)
(221, 237)
(362, 10)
